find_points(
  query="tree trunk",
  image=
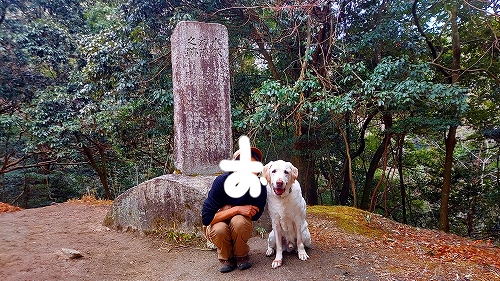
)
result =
(103, 172)
(348, 169)
(344, 193)
(498, 170)
(26, 190)
(99, 169)
(444, 223)
(3, 187)
(401, 180)
(381, 179)
(305, 164)
(370, 174)
(470, 217)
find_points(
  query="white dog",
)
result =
(287, 209)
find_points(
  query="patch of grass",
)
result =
(260, 230)
(176, 238)
(90, 199)
(349, 219)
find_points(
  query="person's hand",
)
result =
(225, 207)
(248, 210)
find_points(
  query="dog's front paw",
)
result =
(269, 252)
(276, 263)
(303, 255)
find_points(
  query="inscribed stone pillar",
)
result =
(202, 110)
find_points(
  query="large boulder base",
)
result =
(170, 202)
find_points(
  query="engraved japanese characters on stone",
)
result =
(202, 110)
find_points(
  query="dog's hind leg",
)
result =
(307, 238)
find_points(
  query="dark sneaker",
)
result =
(243, 263)
(226, 266)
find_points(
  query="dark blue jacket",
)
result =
(217, 198)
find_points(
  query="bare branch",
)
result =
(431, 46)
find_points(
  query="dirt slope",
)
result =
(31, 243)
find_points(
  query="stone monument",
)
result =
(202, 109)
(202, 137)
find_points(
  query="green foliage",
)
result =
(396, 84)
(101, 16)
(96, 75)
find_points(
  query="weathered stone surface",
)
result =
(202, 138)
(172, 202)
(202, 110)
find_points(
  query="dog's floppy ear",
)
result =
(265, 171)
(295, 172)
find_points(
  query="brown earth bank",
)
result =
(348, 244)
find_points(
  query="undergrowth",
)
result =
(350, 219)
(175, 238)
(90, 199)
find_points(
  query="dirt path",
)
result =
(31, 241)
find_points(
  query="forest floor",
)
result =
(348, 244)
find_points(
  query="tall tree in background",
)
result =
(446, 56)
(444, 221)
(38, 53)
(345, 89)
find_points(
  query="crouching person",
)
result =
(228, 221)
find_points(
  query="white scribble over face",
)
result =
(245, 173)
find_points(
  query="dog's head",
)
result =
(280, 175)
